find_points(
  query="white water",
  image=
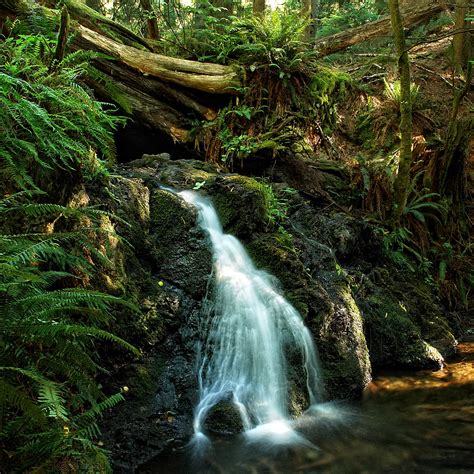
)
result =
(248, 328)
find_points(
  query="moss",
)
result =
(341, 341)
(393, 336)
(327, 88)
(170, 219)
(143, 380)
(276, 254)
(240, 204)
(224, 418)
(330, 82)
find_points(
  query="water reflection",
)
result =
(421, 423)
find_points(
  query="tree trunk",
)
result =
(402, 181)
(340, 41)
(91, 19)
(258, 7)
(205, 77)
(310, 9)
(461, 42)
(315, 11)
(151, 24)
(62, 38)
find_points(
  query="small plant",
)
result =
(392, 91)
(379, 123)
(335, 20)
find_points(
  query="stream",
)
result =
(415, 423)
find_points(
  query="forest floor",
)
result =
(432, 72)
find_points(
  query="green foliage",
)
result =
(49, 396)
(52, 129)
(288, 97)
(328, 87)
(399, 246)
(421, 206)
(275, 208)
(340, 18)
(378, 125)
(393, 92)
(421, 32)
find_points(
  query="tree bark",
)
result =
(93, 20)
(310, 10)
(461, 42)
(151, 23)
(401, 185)
(205, 77)
(258, 7)
(340, 41)
(62, 38)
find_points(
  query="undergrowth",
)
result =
(49, 396)
(54, 137)
(288, 96)
(54, 134)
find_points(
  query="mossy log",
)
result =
(375, 29)
(205, 77)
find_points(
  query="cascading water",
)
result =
(248, 329)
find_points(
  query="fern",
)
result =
(52, 130)
(49, 338)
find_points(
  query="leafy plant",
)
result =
(49, 396)
(53, 131)
(420, 206)
(288, 96)
(337, 19)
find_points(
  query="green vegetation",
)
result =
(289, 96)
(54, 137)
(50, 398)
(51, 127)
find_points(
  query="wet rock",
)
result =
(178, 248)
(240, 203)
(328, 264)
(224, 419)
(314, 283)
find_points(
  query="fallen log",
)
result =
(205, 77)
(155, 88)
(93, 20)
(151, 85)
(161, 92)
(375, 29)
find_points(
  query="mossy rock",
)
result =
(240, 204)
(128, 199)
(224, 418)
(179, 249)
(341, 342)
(170, 218)
(179, 174)
(329, 310)
(400, 328)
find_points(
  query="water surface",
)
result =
(413, 423)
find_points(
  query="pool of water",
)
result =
(413, 423)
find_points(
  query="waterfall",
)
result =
(248, 327)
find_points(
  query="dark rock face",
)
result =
(329, 265)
